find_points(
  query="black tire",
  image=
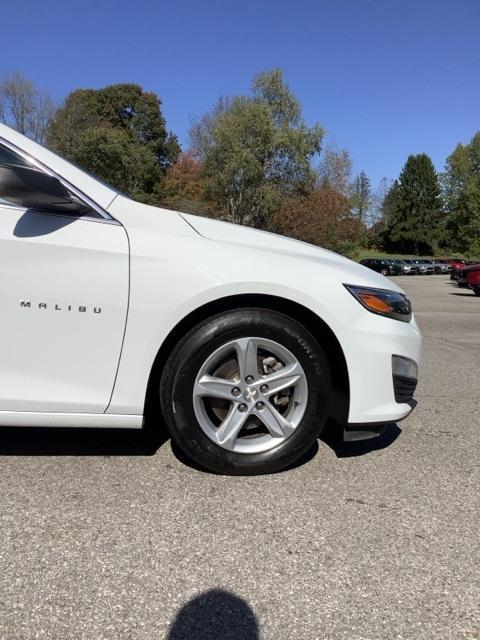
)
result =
(476, 291)
(385, 272)
(185, 361)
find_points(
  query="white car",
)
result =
(245, 341)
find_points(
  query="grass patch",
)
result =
(374, 253)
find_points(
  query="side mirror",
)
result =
(33, 189)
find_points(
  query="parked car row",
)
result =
(465, 272)
(407, 266)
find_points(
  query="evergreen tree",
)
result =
(417, 224)
(387, 203)
(462, 186)
(361, 196)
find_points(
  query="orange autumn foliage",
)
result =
(184, 187)
(323, 217)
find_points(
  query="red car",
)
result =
(462, 274)
(473, 279)
(462, 264)
(456, 264)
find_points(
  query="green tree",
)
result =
(256, 150)
(335, 170)
(119, 134)
(131, 168)
(388, 206)
(462, 190)
(361, 197)
(417, 220)
(379, 232)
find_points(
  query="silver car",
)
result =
(425, 266)
(441, 266)
(408, 268)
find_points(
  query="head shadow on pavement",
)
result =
(215, 615)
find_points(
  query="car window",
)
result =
(8, 157)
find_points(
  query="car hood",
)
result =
(152, 224)
(238, 234)
(349, 272)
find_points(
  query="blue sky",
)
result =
(386, 78)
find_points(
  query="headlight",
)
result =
(383, 302)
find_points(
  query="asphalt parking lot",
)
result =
(110, 536)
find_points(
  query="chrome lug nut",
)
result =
(249, 379)
(242, 407)
(264, 388)
(260, 405)
(236, 391)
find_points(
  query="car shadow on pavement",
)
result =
(215, 615)
(42, 441)
(465, 295)
(332, 436)
(181, 457)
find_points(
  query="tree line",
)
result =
(253, 160)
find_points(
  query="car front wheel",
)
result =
(246, 392)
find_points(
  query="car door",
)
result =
(64, 296)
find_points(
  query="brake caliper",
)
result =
(270, 365)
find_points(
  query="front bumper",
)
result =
(368, 343)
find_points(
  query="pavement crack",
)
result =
(380, 505)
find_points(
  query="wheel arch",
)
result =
(310, 320)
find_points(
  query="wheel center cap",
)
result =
(251, 394)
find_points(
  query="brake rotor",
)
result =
(228, 370)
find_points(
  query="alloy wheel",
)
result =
(250, 395)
